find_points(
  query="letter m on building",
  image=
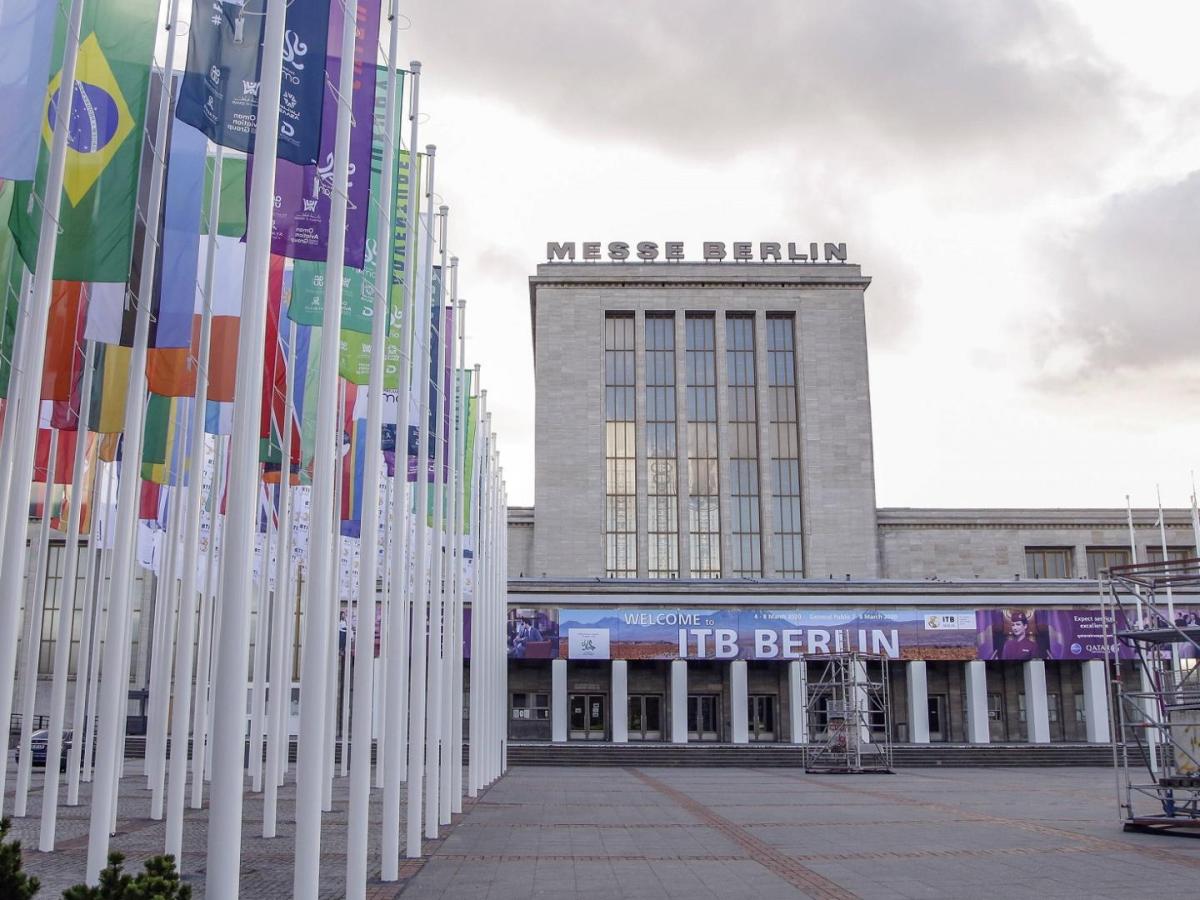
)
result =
(560, 251)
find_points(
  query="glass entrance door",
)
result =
(762, 717)
(588, 719)
(937, 717)
(702, 717)
(645, 717)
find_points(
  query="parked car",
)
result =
(37, 746)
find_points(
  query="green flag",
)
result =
(104, 146)
(10, 288)
(231, 209)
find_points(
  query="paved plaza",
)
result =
(692, 832)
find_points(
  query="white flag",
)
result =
(26, 45)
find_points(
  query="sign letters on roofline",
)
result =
(712, 251)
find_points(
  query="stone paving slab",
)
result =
(766, 833)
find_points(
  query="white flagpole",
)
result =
(1195, 517)
(449, 560)
(94, 558)
(282, 610)
(185, 651)
(258, 698)
(99, 638)
(502, 598)
(229, 682)
(360, 774)
(480, 603)
(1162, 533)
(208, 609)
(35, 599)
(319, 615)
(421, 623)
(160, 671)
(332, 716)
(11, 415)
(66, 615)
(475, 714)
(27, 383)
(114, 684)
(456, 664)
(396, 664)
(433, 731)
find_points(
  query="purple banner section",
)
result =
(300, 228)
(901, 633)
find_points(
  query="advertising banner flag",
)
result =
(358, 285)
(220, 85)
(11, 268)
(26, 38)
(300, 228)
(108, 109)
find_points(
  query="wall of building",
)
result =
(837, 479)
(520, 542)
(991, 543)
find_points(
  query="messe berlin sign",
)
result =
(710, 251)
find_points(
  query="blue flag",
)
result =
(220, 85)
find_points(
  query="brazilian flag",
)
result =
(108, 109)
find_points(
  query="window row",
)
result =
(1059, 562)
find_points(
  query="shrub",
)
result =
(14, 883)
(160, 881)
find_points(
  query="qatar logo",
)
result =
(1076, 648)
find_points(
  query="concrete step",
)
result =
(903, 755)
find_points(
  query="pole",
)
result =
(34, 613)
(181, 704)
(456, 735)
(281, 617)
(95, 559)
(420, 623)
(450, 563)
(207, 621)
(258, 699)
(229, 683)
(62, 641)
(309, 775)
(395, 666)
(28, 386)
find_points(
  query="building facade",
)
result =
(705, 530)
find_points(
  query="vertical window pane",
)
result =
(620, 488)
(704, 503)
(784, 443)
(743, 453)
(662, 494)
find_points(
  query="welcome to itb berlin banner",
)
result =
(928, 633)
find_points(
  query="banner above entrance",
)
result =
(928, 633)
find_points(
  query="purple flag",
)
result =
(302, 193)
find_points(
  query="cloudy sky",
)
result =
(1019, 178)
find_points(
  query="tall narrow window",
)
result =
(662, 491)
(745, 543)
(620, 483)
(785, 444)
(704, 501)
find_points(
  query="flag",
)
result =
(221, 82)
(64, 340)
(470, 464)
(108, 108)
(231, 203)
(354, 449)
(26, 36)
(358, 285)
(108, 390)
(300, 228)
(11, 268)
(274, 383)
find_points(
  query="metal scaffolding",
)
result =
(848, 714)
(1156, 723)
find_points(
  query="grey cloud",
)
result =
(934, 81)
(1122, 293)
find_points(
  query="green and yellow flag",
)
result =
(10, 289)
(108, 109)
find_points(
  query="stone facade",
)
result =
(569, 303)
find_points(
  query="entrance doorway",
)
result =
(762, 717)
(588, 718)
(702, 721)
(937, 717)
(645, 717)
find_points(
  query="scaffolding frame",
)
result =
(855, 711)
(1156, 723)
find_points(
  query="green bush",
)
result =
(160, 881)
(14, 883)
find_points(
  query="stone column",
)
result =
(620, 701)
(918, 702)
(738, 700)
(558, 700)
(1037, 710)
(1095, 701)
(798, 697)
(977, 702)
(679, 689)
